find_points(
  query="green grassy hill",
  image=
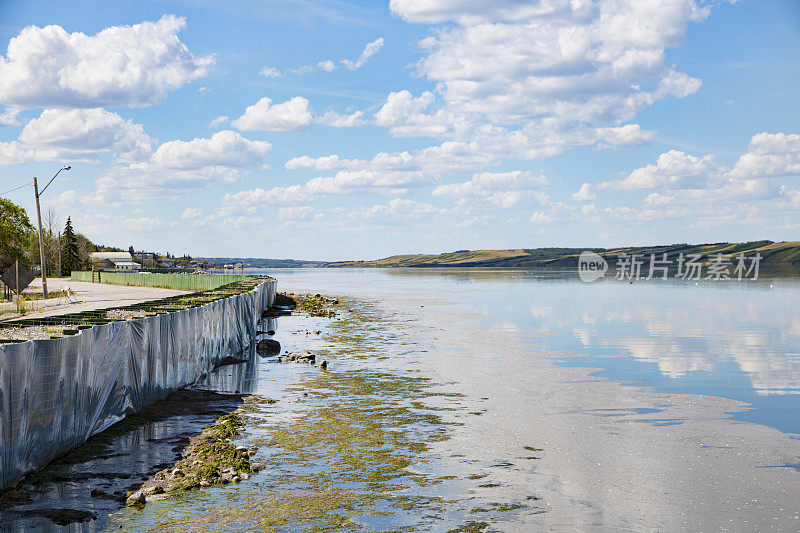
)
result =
(771, 253)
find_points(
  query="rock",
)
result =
(271, 332)
(137, 498)
(302, 357)
(65, 517)
(324, 364)
(236, 479)
(257, 467)
(205, 483)
(244, 475)
(318, 332)
(241, 448)
(155, 489)
(268, 347)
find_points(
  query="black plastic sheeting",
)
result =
(55, 394)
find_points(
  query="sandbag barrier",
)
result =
(56, 393)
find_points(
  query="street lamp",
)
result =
(39, 215)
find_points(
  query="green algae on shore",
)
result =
(209, 459)
(353, 452)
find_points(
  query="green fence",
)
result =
(187, 282)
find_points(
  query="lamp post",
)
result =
(39, 216)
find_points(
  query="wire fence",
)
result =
(186, 282)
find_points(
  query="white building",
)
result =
(116, 261)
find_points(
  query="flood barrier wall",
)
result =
(55, 394)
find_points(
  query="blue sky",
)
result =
(356, 130)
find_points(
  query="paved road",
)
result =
(88, 297)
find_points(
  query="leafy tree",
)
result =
(15, 232)
(85, 248)
(70, 255)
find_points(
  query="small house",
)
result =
(114, 262)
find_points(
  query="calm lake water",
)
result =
(732, 339)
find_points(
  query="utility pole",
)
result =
(41, 240)
(39, 216)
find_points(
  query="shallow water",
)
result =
(737, 340)
(563, 405)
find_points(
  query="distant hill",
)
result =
(771, 253)
(257, 262)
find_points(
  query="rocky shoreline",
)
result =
(209, 459)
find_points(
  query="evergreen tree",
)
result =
(70, 255)
(132, 251)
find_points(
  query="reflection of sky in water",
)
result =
(738, 340)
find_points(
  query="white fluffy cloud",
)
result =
(536, 78)
(344, 182)
(191, 213)
(142, 182)
(335, 120)
(673, 170)
(586, 192)
(369, 50)
(77, 135)
(81, 132)
(327, 65)
(472, 12)
(133, 66)
(679, 180)
(178, 167)
(389, 212)
(450, 156)
(225, 148)
(328, 162)
(405, 116)
(770, 154)
(499, 189)
(295, 212)
(678, 175)
(293, 115)
(271, 72)
(250, 202)
(9, 117)
(219, 121)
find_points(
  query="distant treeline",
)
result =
(255, 262)
(771, 253)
